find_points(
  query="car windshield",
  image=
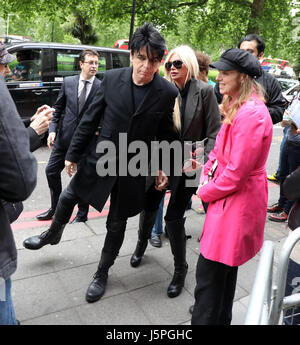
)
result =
(287, 83)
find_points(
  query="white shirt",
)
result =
(88, 87)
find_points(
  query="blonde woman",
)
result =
(233, 231)
(196, 116)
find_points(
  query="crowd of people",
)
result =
(234, 117)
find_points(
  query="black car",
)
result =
(39, 70)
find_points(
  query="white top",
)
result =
(88, 87)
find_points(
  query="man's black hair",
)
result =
(254, 37)
(86, 52)
(149, 37)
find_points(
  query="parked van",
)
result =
(39, 70)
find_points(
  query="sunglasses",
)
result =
(176, 63)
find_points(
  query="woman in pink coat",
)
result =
(237, 194)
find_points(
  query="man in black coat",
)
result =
(75, 95)
(18, 174)
(275, 101)
(132, 104)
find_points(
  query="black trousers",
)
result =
(55, 166)
(67, 201)
(214, 293)
(177, 203)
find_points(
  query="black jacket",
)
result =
(67, 105)
(18, 173)
(275, 101)
(113, 105)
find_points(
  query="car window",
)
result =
(120, 60)
(67, 63)
(26, 67)
(295, 90)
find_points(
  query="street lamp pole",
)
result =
(132, 22)
(7, 25)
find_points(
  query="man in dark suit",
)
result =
(135, 102)
(74, 97)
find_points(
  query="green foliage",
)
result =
(207, 25)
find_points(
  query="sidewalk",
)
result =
(50, 284)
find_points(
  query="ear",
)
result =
(260, 56)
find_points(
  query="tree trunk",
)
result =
(255, 16)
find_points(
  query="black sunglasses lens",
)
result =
(177, 64)
(168, 65)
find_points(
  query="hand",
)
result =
(51, 140)
(71, 168)
(38, 111)
(41, 123)
(294, 129)
(191, 165)
(161, 181)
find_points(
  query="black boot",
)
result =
(177, 238)
(97, 287)
(146, 222)
(51, 236)
(112, 244)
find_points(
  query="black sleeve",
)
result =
(59, 107)
(34, 139)
(87, 126)
(18, 168)
(276, 103)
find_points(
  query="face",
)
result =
(229, 82)
(4, 70)
(178, 75)
(89, 67)
(251, 47)
(144, 67)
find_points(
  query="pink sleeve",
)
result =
(246, 148)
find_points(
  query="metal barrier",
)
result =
(259, 303)
(267, 305)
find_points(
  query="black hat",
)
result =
(239, 59)
(5, 57)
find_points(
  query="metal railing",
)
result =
(267, 305)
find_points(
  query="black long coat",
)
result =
(113, 106)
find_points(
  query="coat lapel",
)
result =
(75, 92)
(125, 90)
(191, 105)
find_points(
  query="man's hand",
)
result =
(161, 181)
(42, 121)
(38, 111)
(51, 139)
(71, 168)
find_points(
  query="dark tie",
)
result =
(81, 99)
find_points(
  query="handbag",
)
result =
(12, 209)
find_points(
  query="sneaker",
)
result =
(273, 178)
(278, 217)
(275, 208)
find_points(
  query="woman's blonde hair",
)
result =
(231, 104)
(188, 57)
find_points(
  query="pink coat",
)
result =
(233, 231)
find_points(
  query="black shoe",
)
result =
(46, 215)
(191, 309)
(155, 241)
(97, 287)
(78, 220)
(177, 282)
(51, 236)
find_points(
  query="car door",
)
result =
(25, 82)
